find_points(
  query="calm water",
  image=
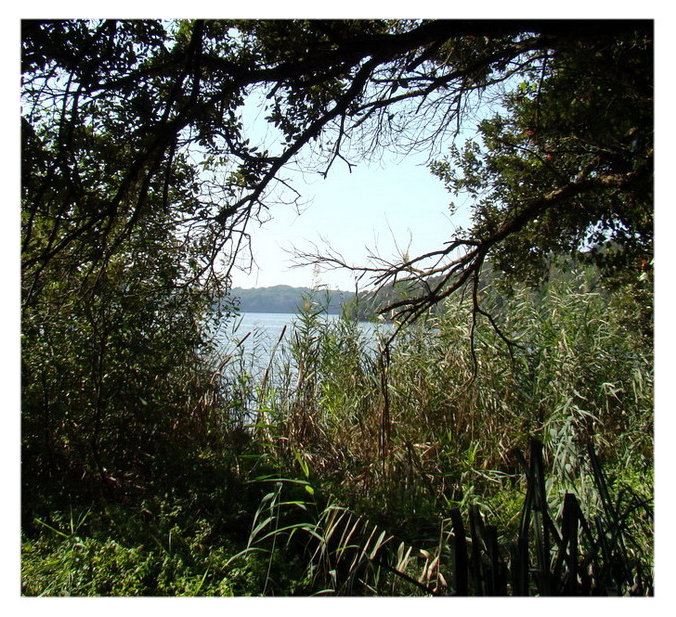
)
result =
(258, 333)
(249, 342)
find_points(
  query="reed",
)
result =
(414, 429)
(409, 435)
(571, 554)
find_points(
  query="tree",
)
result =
(140, 176)
(116, 112)
(563, 167)
(567, 167)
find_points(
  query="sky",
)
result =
(386, 207)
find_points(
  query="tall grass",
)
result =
(569, 552)
(432, 424)
(343, 465)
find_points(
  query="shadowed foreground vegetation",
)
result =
(343, 470)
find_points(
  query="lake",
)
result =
(258, 333)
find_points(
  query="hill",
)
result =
(287, 299)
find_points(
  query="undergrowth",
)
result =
(337, 465)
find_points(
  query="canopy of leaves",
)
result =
(125, 121)
(579, 130)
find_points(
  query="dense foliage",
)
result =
(580, 124)
(353, 466)
(155, 462)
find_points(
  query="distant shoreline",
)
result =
(288, 299)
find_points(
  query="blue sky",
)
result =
(384, 206)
